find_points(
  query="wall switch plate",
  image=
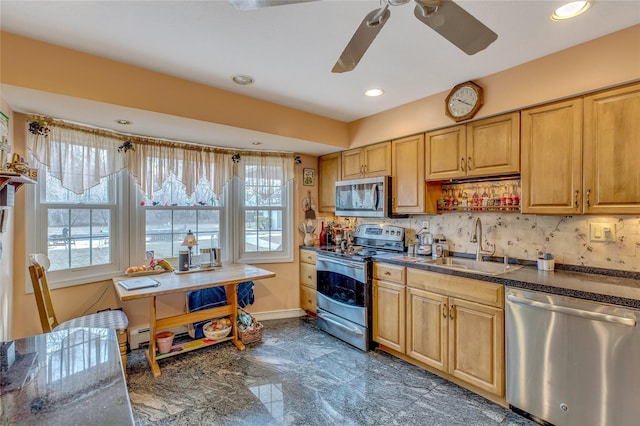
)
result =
(602, 232)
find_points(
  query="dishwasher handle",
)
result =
(597, 316)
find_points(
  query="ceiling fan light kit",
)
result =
(444, 16)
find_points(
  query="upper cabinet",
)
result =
(407, 171)
(552, 158)
(487, 147)
(611, 151)
(574, 166)
(369, 161)
(329, 173)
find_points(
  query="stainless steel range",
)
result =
(344, 283)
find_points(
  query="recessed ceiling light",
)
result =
(256, 143)
(242, 79)
(124, 122)
(570, 10)
(374, 92)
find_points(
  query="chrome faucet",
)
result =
(476, 237)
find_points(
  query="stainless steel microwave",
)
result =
(367, 197)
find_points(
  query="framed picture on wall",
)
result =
(308, 177)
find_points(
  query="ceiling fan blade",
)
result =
(455, 24)
(258, 4)
(361, 40)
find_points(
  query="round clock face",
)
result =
(463, 101)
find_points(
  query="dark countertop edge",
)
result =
(526, 285)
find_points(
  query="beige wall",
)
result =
(607, 61)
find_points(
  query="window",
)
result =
(172, 213)
(80, 233)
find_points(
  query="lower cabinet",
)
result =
(308, 283)
(456, 325)
(389, 305)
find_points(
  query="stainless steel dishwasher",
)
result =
(571, 361)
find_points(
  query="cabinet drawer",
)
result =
(464, 288)
(308, 275)
(387, 272)
(308, 300)
(308, 256)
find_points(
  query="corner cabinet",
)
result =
(308, 283)
(486, 147)
(329, 169)
(611, 151)
(407, 170)
(369, 161)
(389, 305)
(456, 325)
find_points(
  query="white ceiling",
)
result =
(290, 51)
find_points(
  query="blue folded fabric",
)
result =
(208, 298)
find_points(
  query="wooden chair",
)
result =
(114, 319)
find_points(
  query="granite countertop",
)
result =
(613, 287)
(66, 377)
(620, 288)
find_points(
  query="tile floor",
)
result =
(299, 375)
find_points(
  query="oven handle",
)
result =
(346, 263)
(350, 330)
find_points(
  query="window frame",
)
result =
(37, 241)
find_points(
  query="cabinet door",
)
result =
(329, 168)
(377, 159)
(612, 151)
(308, 300)
(445, 153)
(493, 146)
(427, 319)
(352, 164)
(552, 158)
(389, 314)
(308, 275)
(408, 174)
(476, 344)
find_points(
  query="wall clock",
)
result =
(464, 101)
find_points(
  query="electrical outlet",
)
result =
(602, 232)
(425, 225)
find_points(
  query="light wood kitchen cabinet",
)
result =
(486, 147)
(389, 305)
(456, 325)
(407, 170)
(552, 158)
(611, 151)
(329, 169)
(369, 161)
(308, 283)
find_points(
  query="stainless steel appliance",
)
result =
(344, 283)
(368, 197)
(570, 361)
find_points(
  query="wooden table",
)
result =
(229, 275)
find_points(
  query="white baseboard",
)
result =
(140, 335)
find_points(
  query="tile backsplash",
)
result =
(522, 236)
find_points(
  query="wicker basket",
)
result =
(252, 334)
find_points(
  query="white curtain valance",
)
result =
(80, 156)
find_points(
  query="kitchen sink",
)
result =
(470, 265)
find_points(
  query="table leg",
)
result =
(232, 299)
(151, 351)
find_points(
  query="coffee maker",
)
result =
(425, 240)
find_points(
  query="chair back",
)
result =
(38, 271)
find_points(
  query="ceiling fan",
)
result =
(444, 16)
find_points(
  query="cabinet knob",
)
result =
(444, 311)
(309, 276)
(576, 198)
(588, 200)
(469, 163)
(462, 164)
(387, 273)
(451, 312)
